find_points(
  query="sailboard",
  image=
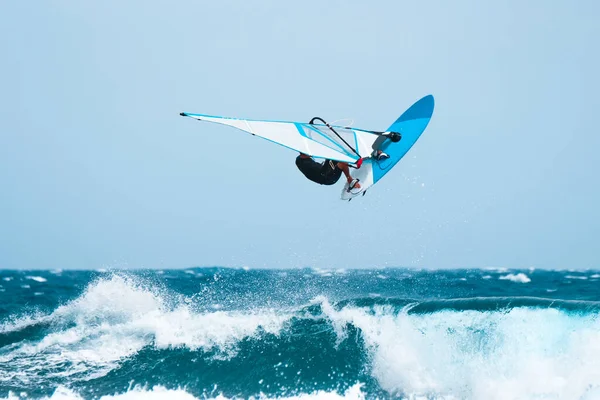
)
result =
(339, 143)
(410, 125)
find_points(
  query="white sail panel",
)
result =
(292, 135)
(347, 139)
(365, 142)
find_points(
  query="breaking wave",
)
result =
(127, 338)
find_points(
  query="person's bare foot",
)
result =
(380, 155)
(356, 185)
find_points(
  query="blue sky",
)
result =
(98, 170)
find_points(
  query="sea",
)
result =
(240, 333)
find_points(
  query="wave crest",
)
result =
(504, 347)
(517, 353)
(114, 319)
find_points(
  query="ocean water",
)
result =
(302, 334)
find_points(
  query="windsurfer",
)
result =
(327, 172)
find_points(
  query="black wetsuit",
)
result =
(325, 173)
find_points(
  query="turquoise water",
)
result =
(236, 333)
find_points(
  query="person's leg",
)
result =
(346, 170)
(377, 153)
(378, 142)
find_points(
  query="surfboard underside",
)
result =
(410, 125)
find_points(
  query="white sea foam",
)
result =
(583, 278)
(521, 354)
(17, 323)
(520, 278)
(322, 272)
(500, 270)
(7, 278)
(115, 318)
(161, 393)
(36, 278)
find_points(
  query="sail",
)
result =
(317, 140)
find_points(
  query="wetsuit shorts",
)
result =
(325, 173)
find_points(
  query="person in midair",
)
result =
(327, 172)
